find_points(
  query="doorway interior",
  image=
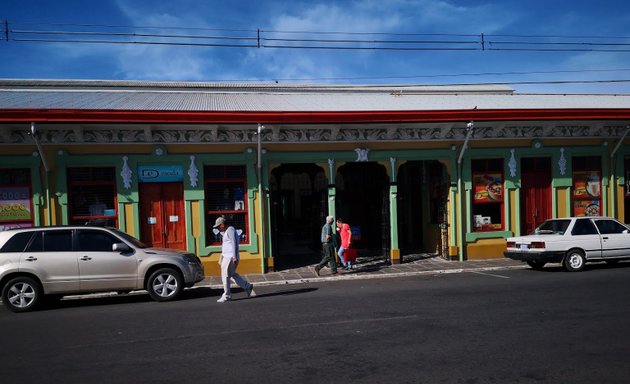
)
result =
(299, 206)
(363, 202)
(422, 207)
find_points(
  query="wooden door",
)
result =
(535, 193)
(162, 215)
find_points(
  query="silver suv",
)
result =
(64, 260)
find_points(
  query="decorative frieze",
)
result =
(158, 134)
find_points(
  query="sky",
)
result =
(573, 26)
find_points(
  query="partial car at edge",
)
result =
(572, 241)
(64, 260)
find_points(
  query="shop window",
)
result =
(587, 186)
(226, 188)
(16, 204)
(92, 196)
(487, 201)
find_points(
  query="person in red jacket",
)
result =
(346, 240)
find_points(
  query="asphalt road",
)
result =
(512, 326)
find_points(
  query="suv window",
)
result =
(584, 227)
(17, 243)
(52, 241)
(99, 241)
(609, 226)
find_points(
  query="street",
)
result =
(505, 326)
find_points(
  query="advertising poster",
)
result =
(15, 204)
(587, 185)
(586, 207)
(487, 187)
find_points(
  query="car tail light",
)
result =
(511, 244)
(537, 244)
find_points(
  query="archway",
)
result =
(422, 204)
(299, 206)
(363, 202)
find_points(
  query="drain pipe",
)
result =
(612, 168)
(612, 154)
(469, 131)
(42, 155)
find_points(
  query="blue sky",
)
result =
(607, 19)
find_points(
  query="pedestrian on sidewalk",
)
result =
(229, 261)
(328, 248)
(345, 233)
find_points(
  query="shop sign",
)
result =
(488, 187)
(15, 204)
(160, 173)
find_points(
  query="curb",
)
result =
(368, 277)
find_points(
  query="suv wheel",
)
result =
(165, 284)
(21, 294)
(574, 260)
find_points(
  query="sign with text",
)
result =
(15, 204)
(160, 173)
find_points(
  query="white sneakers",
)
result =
(249, 290)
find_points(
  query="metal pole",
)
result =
(261, 197)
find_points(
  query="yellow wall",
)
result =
(485, 249)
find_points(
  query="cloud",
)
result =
(365, 16)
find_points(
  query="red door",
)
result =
(535, 193)
(162, 215)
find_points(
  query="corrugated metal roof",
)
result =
(171, 96)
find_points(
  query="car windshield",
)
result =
(552, 227)
(137, 243)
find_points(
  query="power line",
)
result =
(317, 40)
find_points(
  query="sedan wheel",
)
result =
(21, 294)
(165, 284)
(574, 260)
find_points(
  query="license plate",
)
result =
(524, 247)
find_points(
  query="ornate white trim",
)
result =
(126, 173)
(362, 154)
(164, 134)
(392, 163)
(331, 167)
(562, 163)
(512, 164)
(193, 172)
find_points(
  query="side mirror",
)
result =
(120, 247)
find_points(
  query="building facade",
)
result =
(451, 171)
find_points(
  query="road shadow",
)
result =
(283, 292)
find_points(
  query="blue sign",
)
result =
(160, 173)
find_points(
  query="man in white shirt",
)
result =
(229, 261)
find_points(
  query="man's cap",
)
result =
(220, 220)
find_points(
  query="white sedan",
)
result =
(572, 241)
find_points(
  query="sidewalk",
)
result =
(370, 268)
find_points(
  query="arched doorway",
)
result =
(422, 207)
(299, 205)
(363, 202)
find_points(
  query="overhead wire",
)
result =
(316, 39)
